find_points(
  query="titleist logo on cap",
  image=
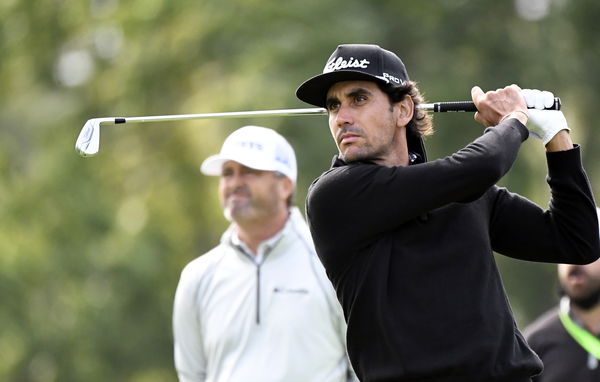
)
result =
(339, 63)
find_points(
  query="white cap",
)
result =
(256, 147)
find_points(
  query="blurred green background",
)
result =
(91, 249)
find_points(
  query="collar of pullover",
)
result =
(230, 237)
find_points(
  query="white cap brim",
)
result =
(213, 165)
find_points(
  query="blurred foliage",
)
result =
(91, 249)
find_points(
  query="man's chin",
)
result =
(350, 156)
(586, 301)
(237, 213)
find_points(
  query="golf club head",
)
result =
(88, 141)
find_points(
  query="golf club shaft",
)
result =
(232, 114)
(450, 106)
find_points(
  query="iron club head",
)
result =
(88, 141)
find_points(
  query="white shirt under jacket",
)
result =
(273, 317)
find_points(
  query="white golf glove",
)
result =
(545, 124)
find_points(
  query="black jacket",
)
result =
(409, 251)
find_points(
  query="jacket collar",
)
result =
(295, 221)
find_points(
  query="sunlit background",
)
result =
(91, 249)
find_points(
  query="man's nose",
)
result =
(344, 115)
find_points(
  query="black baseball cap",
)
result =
(354, 62)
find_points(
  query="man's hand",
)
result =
(545, 124)
(495, 106)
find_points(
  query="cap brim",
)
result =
(213, 165)
(314, 90)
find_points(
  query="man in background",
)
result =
(567, 337)
(258, 307)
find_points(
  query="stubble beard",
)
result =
(365, 153)
(586, 301)
(235, 211)
(251, 210)
(368, 152)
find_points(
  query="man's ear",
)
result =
(287, 186)
(405, 110)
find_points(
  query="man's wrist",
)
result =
(560, 142)
(520, 115)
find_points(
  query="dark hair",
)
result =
(421, 123)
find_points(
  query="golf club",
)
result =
(88, 141)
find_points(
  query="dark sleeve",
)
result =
(565, 233)
(357, 202)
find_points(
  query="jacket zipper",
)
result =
(257, 294)
(258, 265)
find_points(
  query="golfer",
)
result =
(408, 244)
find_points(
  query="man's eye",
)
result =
(250, 171)
(331, 106)
(360, 98)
